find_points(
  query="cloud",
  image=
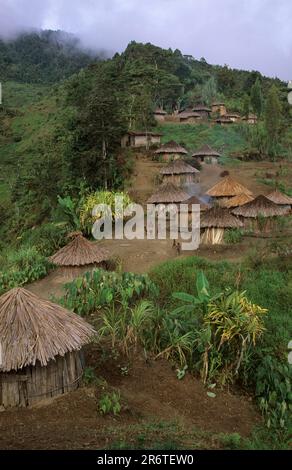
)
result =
(250, 34)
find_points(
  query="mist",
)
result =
(250, 34)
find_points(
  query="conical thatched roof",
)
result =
(189, 114)
(201, 107)
(260, 206)
(80, 252)
(239, 200)
(207, 151)
(160, 111)
(232, 115)
(224, 120)
(279, 198)
(195, 200)
(171, 147)
(178, 167)
(32, 329)
(219, 217)
(168, 194)
(250, 116)
(228, 187)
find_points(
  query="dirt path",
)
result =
(155, 404)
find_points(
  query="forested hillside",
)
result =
(42, 57)
(71, 138)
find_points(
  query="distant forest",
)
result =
(42, 57)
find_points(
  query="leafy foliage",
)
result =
(107, 198)
(21, 267)
(110, 403)
(101, 288)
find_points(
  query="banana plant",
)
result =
(191, 302)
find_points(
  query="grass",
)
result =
(224, 139)
(26, 131)
(18, 95)
(269, 286)
(164, 435)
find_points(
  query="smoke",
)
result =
(250, 34)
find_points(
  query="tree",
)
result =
(273, 115)
(246, 105)
(256, 97)
(99, 127)
(209, 91)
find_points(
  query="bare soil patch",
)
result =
(154, 401)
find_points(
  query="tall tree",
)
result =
(256, 97)
(246, 105)
(99, 127)
(273, 115)
(209, 91)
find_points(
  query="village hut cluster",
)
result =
(236, 207)
(228, 205)
(216, 113)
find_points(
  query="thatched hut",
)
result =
(223, 120)
(189, 117)
(219, 107)
(214, 222)
(202, 110)
(196, 200)
(79, 253)
(235, 117)
(260, 214)
(250, 119)
(41, 349)
(159, 114)
(140, 139)
(170, 151)
(239, 200)
(280, 199)
(180, 173)
(226, 189)
(168, 194)
(206, 155)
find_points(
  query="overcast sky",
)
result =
(247, 34)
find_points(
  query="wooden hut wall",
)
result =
(190, 120)
(170, 157)
(180, 180)
(33, 384)
(212, 236)
(159, 117)
(219, 109)
(257, 225)
(69, 273)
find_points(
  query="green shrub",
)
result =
(274, 392)
(110, 403)
(23, 266)
(48, 238)
(267, 282)
(233, 236)
(102, 288)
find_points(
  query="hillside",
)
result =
(42, 57)
(191, 346)
(58, 138)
